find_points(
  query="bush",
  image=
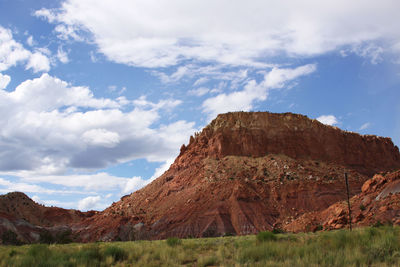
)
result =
(46, 238)
(64, 237)
(278, 231)
(173, 241)
(318, 228)
(377, 224)
(362, 207)
(266, 236)
(117, 253)
(10, 238)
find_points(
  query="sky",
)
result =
(97, 96)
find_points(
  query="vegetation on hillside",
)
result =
(372, 246)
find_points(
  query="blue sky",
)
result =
(96, 97)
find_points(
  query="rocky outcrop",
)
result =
(378, 203)
(246, 172)
(259, 133)
(28, 219)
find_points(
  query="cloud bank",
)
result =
(49, 126)
(165, 33)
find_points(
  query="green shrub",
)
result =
(12, 253)
(362, 207)
(377, 224)
(46, 238)
(64, 237)
(318, 228)
(266, 236)
(278, 231)
(173, 241)
(10, 238)
(117, 253)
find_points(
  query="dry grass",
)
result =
(372, 246)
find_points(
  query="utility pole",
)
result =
(348, 198)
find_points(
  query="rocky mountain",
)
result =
(28, 219)
(243, 173)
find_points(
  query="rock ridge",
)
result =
(257, 134)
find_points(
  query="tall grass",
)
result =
(362, 247)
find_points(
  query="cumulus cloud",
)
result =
(89, 203)
(38, 62)
(328, 119)
(13, 53)
(101, 137)
(49, 126)
(164, 33)
(4, 80)
(243, 100)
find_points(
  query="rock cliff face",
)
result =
(246, 172)
(243, 173)
(257, 134)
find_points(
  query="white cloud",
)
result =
(277, 77)
(30, 41)
(62, 55)
(370, 51)
(164, 33)
(12, 53)
(227, 77)
(36, 199)
(365, 126)
(176, 76)
(48, 127)
(9, 186)
(101, 137)
(200, 81)
(160, 170)
(80, 183)
(199, 91)
(243, 100)
(328, 119)
(134, 184)
(162, 104)
(89, 203)
(4, 81)
(38, 62)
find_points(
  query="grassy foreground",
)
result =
(373, 246)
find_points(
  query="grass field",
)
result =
(372, 246)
